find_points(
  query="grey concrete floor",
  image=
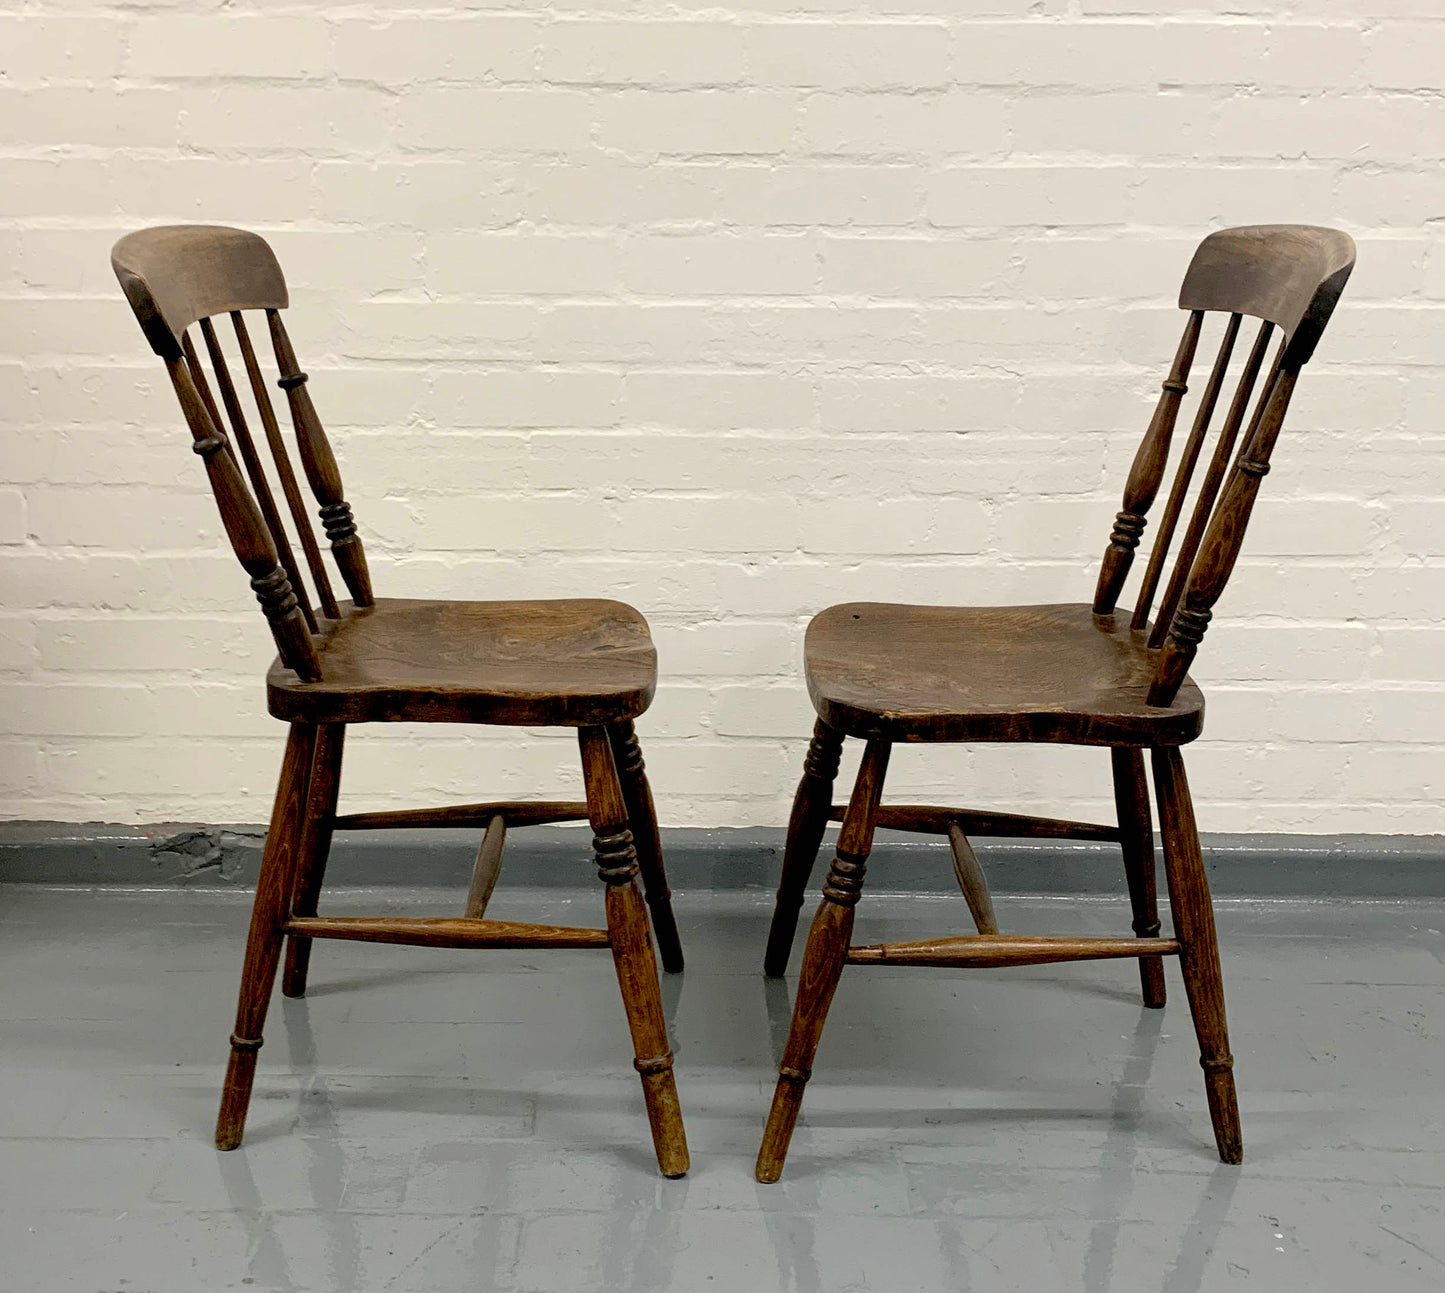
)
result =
(432, 1120)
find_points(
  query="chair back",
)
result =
(1288, 277)
(180, 276)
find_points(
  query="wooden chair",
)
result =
(1070, 674)
(589, 665)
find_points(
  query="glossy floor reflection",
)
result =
(450, 1120)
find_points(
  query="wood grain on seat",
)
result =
(571, 663)
(990, 673)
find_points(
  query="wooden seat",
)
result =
(990, 673)
(566, 663)
(584, 664)
(1079, 674)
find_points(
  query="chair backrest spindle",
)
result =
(1146, 473)
(284, 470)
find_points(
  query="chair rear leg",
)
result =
(316, 830)
(642, 817)
(617, 867)
(1136, 831)
(823, 961)
(263, 943)
(811, 807)
(1199, 957)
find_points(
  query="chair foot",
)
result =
(274, 888)
(823, 961)
(1224, 1109)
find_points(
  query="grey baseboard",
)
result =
(1263, 866)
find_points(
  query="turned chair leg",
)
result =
(317, 826)
(263, 943)
(1199, 955)
(811, 808)
(642, 816)
(617, 866)
(823, 961)
(1136, 838)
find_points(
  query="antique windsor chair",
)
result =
(584, 664)
(1070, 674)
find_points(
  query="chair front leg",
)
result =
(642, 817)
(632, 950)
(823, 961)
(1136, 839)
(263, 943)
(1199, 955)
(316, 830)
(811, 808)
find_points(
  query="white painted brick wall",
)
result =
(732, 311)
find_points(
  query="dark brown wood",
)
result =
(824, 958)
(487, 868)
(805, 835)
(1074, 674)
(527, 664)
(444, 931)
(1146, 473)
(1193, 914)
(1185, 473)
(284, 471)
(1291, 275)
(928, 819)
(466, 815)
(263, 943)
(1209, 487)
(260, 486)
(642, 817)
(1136, 838)
(972, 881)
(585, 664)
(1222, 543)
(315, 847)
(175, 275)
(990, 673)
(632, 949)
(992, 951)
(246, 530)
(319, 464)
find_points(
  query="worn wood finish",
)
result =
(1185, 473)
(584, 664)
(315, 847)
(1193, 914)
(1078, 674)
(260, 486)
(993, 950)
(811, 807)
(467, 815)
(929, 819)
(444, 931)
(528, 664)
(1136, 837)
(319, 464)
(824, 958)
(989, 673)
(642, 817)
(632, 949)
(1146, 474)
(1213, 478)
(263, 942)
(487, 868)
(284, 471)
(246, 530)
(972, 881)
